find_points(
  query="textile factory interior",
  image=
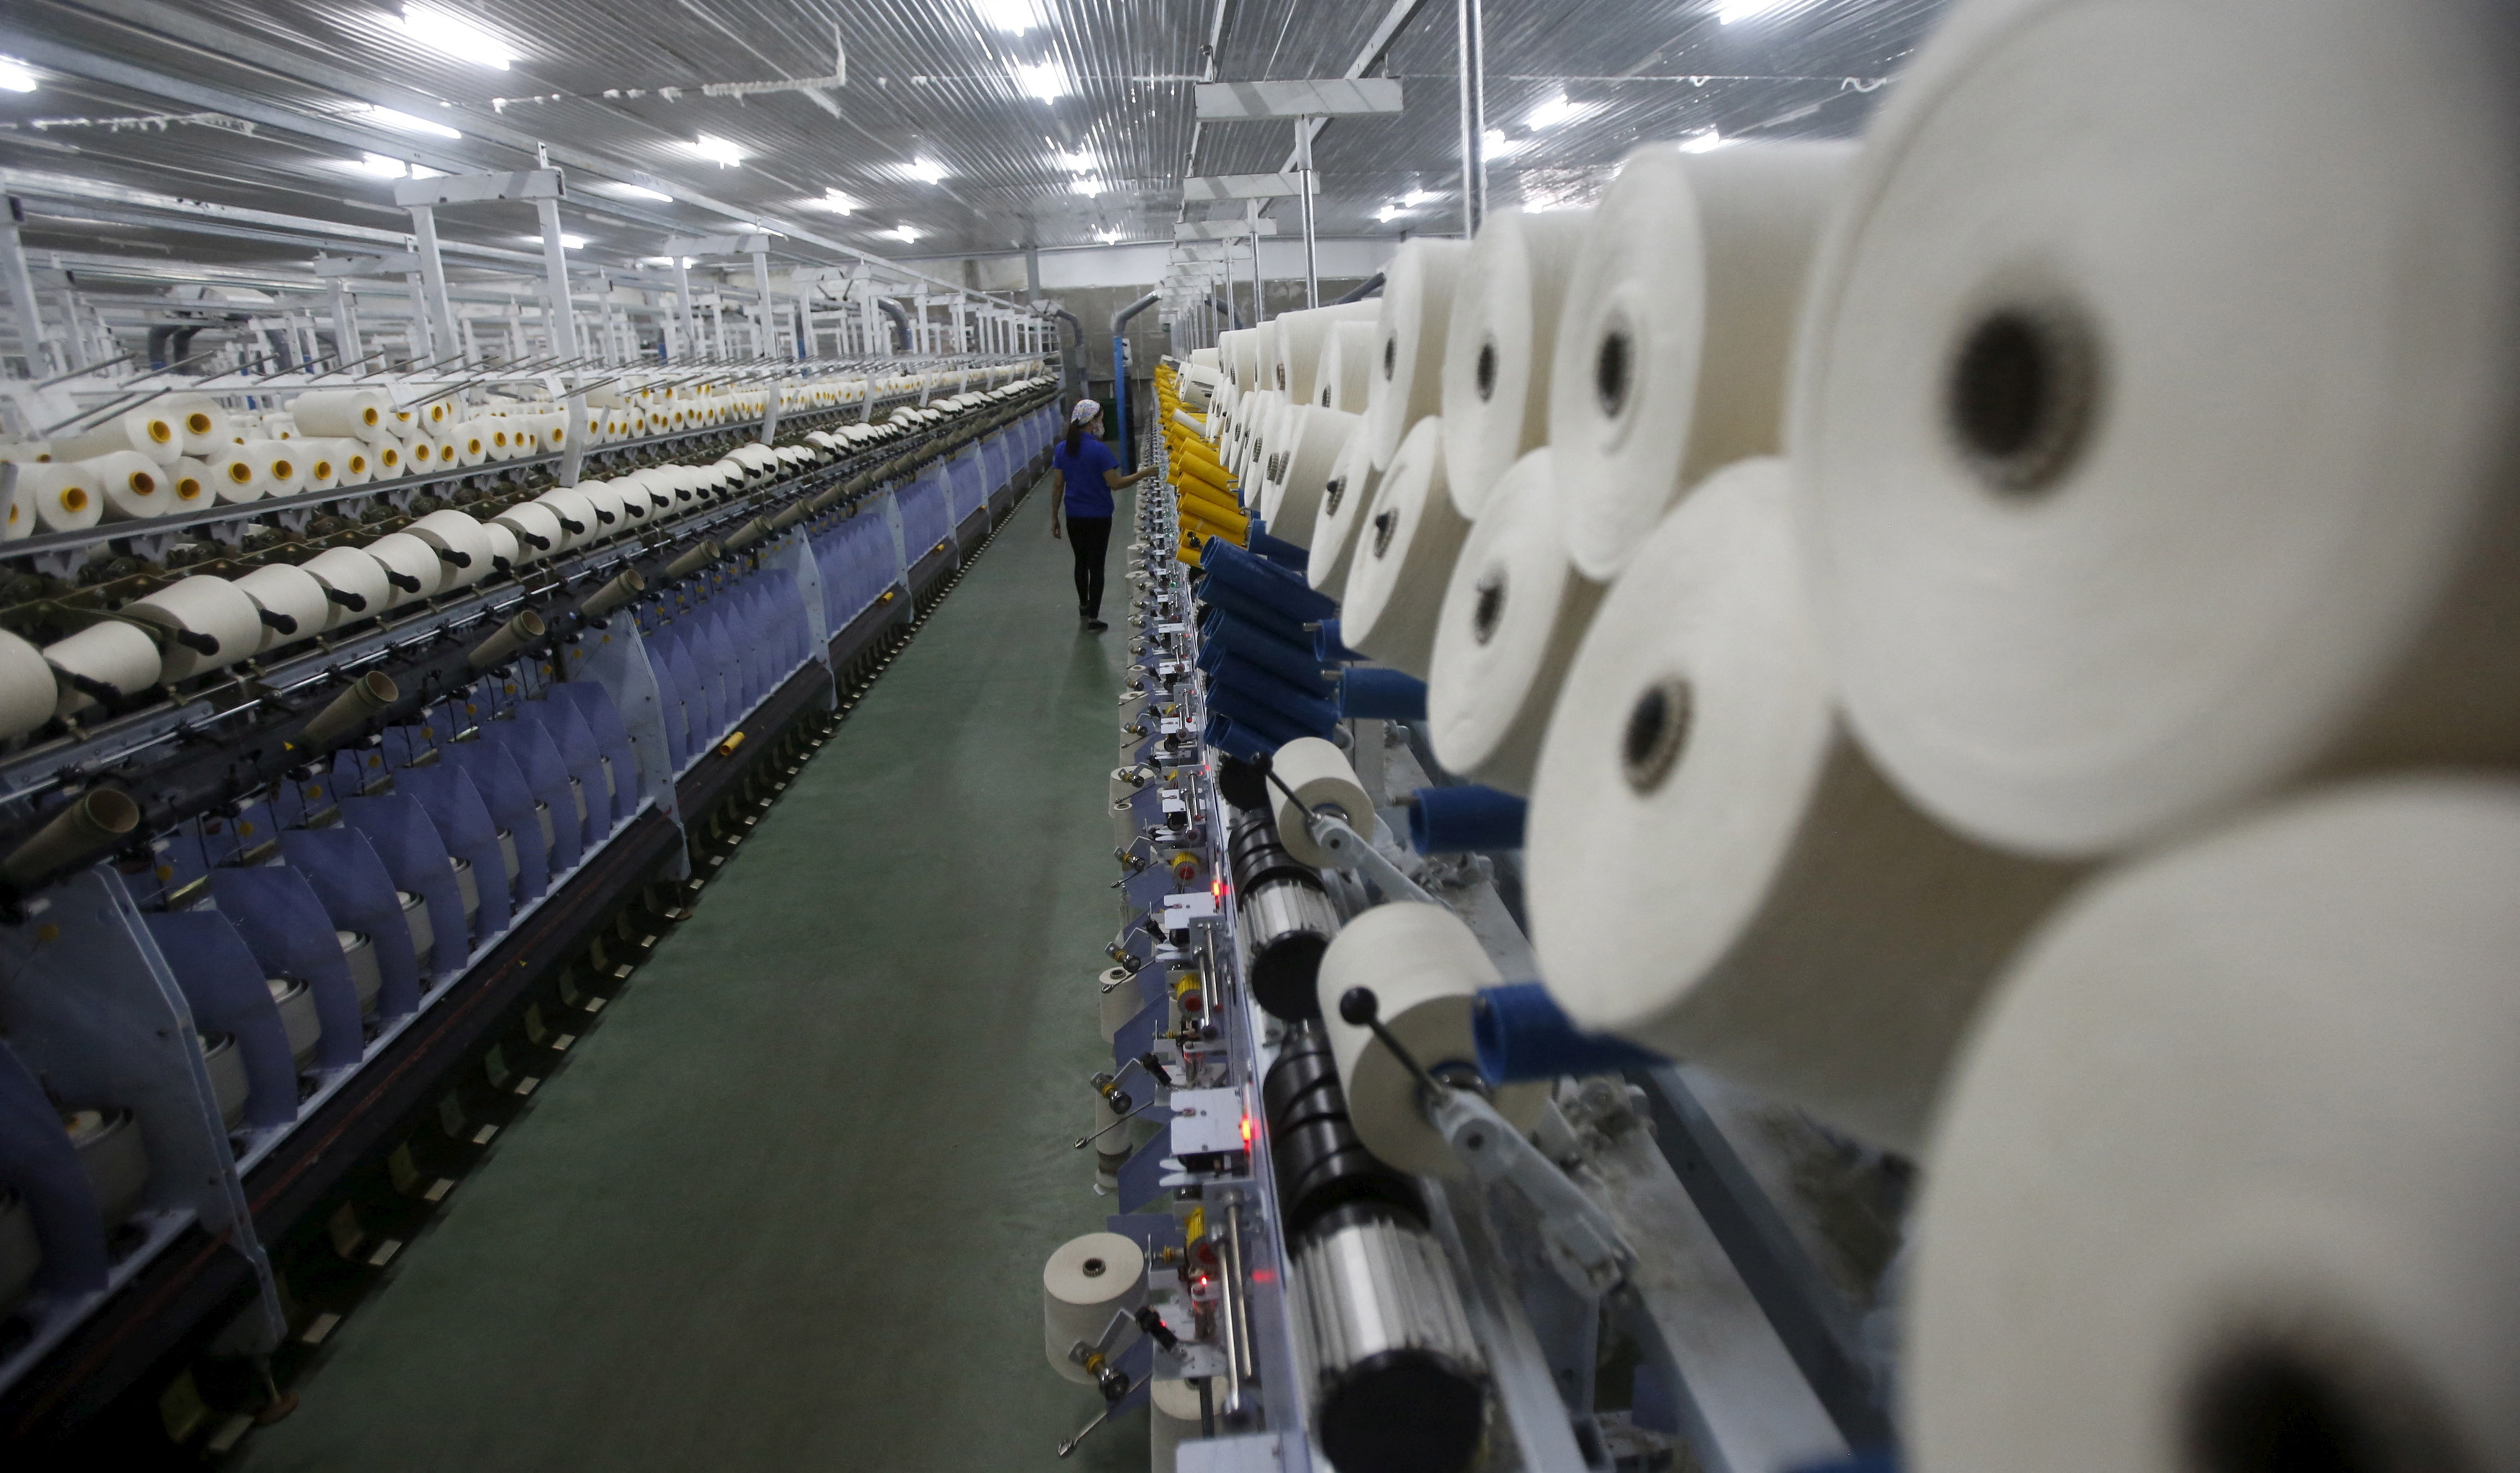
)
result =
(1788, 744)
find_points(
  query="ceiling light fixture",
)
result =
(1013, 17)
(836, 202)
(1703, 143)
(641, 192)
(1497, 145)
(1555, 111)
(383, 165)
(1111, 236)
(1078, 162)
(902, 232)
(1045, 81)
(1730, 11)
(925, 170)
(717, 151)
(1086, 187)
(568, 242)
(405, 122)
(454, 37)
(1417, 196)
(1390, 212)
(16, 75)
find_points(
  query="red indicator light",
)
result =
(1246, 1133)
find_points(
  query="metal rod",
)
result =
(1471, 28)
(1304, 167)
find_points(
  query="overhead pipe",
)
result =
(1227, 310)
(901, 340)
(1120, 377)
(1371, 287)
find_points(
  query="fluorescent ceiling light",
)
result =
(1555, 111)
(1703, 143)
(16, 75)
(1730, 11)
(404, 122)
(836, 202)
(1086, 187)
(568, 242)
(902, 232)
(1013, 17)
(1389, 213)
(1111, 236)
(641, 192)
(717, 151)
(454, 37)
(1044, 80)
(383, 167)
(1079, 163)
(1417, 196)
(925, 170)
(1498, 146)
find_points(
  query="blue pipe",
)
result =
(1120, 379)
(1327, 646)
(1455, 819)
(1521, 1033)
(1379, 693)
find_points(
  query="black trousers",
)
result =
(1091, 536)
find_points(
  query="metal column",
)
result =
(1304, 171)
(433, 273)
(1470, 26)
(564, 323)
(43, 358)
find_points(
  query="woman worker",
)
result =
(1088, 472)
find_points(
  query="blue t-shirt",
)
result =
(1088, 494)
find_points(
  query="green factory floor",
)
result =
(786, 1208)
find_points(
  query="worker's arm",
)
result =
(1115, 480)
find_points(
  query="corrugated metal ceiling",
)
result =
(617, 84)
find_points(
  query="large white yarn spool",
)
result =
(1318, 778)
(203, 422)
(283, 467)
(1405, 550)
(1426, 969)
(133, 486)
(1172, 1419)
(356, 574)
(415, 560)
(1292, 502)
(1346, 497)
(1344, 381)
(1500, 342)
(155, 431)
(201, 606)
(53, 495)
(28, 693)
(536, 528)
(1512, 616)
(1303, 340)
(575, 515)
(2134, 493)
(190, 487)
(112, 653)
(1714, 870)
(1241, 350)
(2229, 1166)
(1678, 320)
(291, 593)
(463, 547)
(1406, 378)
(235, 474)
(1087, 1281)
(360, 413)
